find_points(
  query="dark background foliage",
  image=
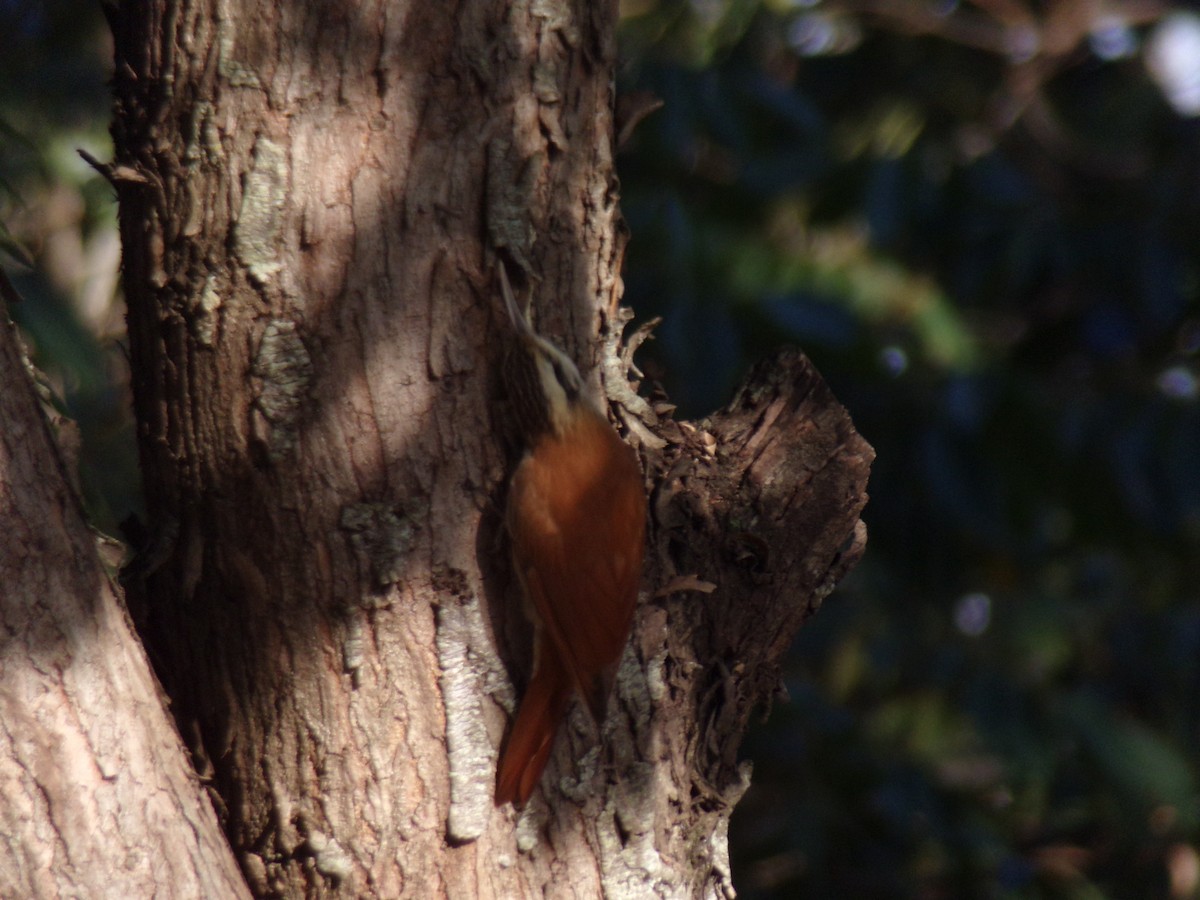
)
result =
(982, 222)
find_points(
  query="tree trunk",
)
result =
(98, 798)
(313, 197)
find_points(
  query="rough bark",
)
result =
(312, 198)
(98, 798)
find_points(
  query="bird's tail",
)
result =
(532, 737)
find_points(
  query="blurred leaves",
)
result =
(979, 220)
(58, 233)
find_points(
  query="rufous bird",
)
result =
(577, 520)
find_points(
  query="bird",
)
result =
(576, 520)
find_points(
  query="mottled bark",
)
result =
(312, 199)
(98, 798)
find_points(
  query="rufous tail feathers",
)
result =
(532, 738)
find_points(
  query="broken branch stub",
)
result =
(762, 499)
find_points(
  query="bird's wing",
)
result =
(578, 524)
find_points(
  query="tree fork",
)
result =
(98, 798)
